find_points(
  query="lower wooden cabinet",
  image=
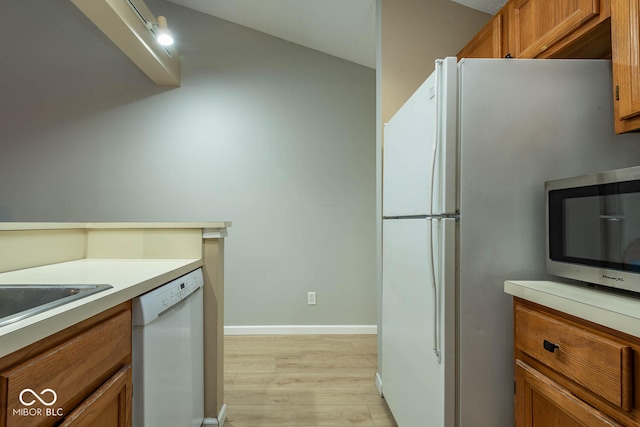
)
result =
(542, 402)
(80, 376)
(571, 372)
(109, 406)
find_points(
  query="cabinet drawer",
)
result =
(54, 382)
(601, 365)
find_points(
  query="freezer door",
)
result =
(414, 381)
(420, 149)
(408, 151)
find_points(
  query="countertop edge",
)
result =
(579, 301)
(24, 226)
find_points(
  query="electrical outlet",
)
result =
(311, 298)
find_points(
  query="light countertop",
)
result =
(11, 226)
(610, 308)
(129, 278)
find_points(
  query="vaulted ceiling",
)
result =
(323, 25)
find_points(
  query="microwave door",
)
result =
(593, 228)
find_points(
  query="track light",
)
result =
(161, 31)
(165, 38)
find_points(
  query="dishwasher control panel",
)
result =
(171, 295)
(150, 306)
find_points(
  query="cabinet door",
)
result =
(542, 402)
(488, 42)
(109, 406)
(65, 373)
(625, 39)
(536, 25)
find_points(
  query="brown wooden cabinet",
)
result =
(80, 376)
(572, 29)
(108, 406)
(625, 39)
(540, 401)
(544, 29)
(491, 41)
(559, 29)
(570, 372)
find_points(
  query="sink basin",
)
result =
(18, 302)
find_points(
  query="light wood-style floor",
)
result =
(302, 380)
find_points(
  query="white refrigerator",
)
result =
(465, 161)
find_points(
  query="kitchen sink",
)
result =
(18, 302)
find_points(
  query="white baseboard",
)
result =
(217, 422)
(301, 330)
(379, 384)
(222, 416)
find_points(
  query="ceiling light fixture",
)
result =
(161, 31)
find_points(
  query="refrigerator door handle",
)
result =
(434, 285)
(436, 306)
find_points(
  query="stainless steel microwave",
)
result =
(593, 228)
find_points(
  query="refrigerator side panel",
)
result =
(413, 380)
(522, 122)
(408, 153)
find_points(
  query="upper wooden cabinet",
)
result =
(545, 29)
(605, 29)
(625, 38)
(491, 41)
(559, 29)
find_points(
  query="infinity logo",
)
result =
(46, 390)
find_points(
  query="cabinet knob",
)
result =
(549, 346)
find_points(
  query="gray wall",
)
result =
(275, 137)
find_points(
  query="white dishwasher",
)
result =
(168, 377)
